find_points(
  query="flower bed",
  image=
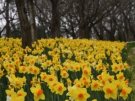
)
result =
(64, 69)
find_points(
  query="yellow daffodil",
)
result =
(78, 83)
(23, 69)
(48, 62)
(19, 95)
(43, 76)
(95, 85)
(36, 70)
(80, 94)
(10, 91)
(115, 67)
(17, 82)
(64, 74)
(125, 91)
(69, 82)
(120, 76)
(77, 67)
(103, 77)
(52, 85)
(59, 88)
(86, 71)
(126, 65)
(35, 81)
(51, 78)
(37, 92)
(110, 91)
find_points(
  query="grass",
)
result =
(131, 61)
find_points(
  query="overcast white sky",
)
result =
(2, 22)
(2, 16)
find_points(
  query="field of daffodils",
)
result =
(63, 70)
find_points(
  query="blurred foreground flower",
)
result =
(125, 91)
(110, 90)
(37, 92)
(16, 96)
(78, 94)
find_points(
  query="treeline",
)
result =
(100, 19)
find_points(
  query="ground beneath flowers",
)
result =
(132, 82)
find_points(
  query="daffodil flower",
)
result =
(37, 92)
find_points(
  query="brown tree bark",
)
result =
(32, 20)
(83, 28)
(7, 18)
(28, 28)
(25, 25)
(55, 27)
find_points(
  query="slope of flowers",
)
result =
(63, 70)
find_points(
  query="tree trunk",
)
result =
(83, 27)
(99, 35)
(25, 25)
(32, 20)
(7, 19)
(55, 28)
(83, 32)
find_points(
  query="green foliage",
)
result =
(3, 87)
(131, 71)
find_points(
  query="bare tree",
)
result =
(101, 19)
(28, 34)
(55, 26)
(7, 18)
(32, 20)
